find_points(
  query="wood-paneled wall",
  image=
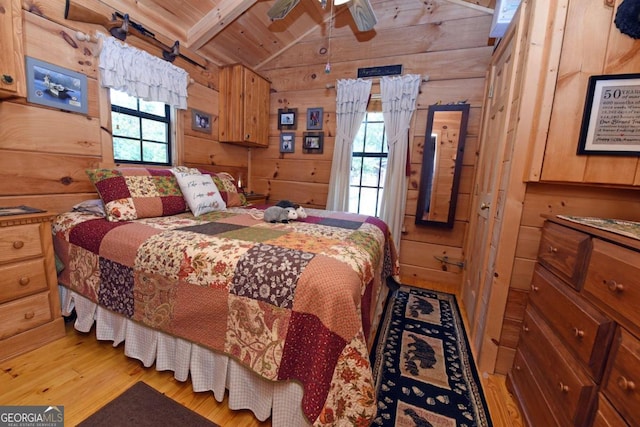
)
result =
(604, 182)
(444, 42)
(44, 152)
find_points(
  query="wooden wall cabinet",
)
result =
(578, 358)
(244, 107)
(29, 301)
(12, 77)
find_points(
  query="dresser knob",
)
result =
(614, 286)
(525, 328)
(578, 333)
(626, 384)
(18, 244)
(24, 281)
(29, 315)
(534, 288)
(552, 249)
(6, 79)
(563, 387)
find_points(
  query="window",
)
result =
(141, 130)
(368, 166)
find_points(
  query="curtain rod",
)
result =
(332, 86)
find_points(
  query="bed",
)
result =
(282, 315)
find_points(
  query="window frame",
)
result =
(384, 154)
(140, 115)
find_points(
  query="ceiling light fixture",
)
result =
(360, 10)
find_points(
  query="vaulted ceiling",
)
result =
(239, 31)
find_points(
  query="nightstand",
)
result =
(29, 302)
(255, 198)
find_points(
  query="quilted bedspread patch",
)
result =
(289, 301)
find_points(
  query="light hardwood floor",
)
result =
(83, 374)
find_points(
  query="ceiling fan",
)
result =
(361, 11)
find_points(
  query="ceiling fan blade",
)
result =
(362, 14)
(280, 8)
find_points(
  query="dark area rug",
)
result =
(425, 374)
(142, 405)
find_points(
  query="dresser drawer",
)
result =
(586, 331)
(613, 281)
(533, 404)
(24, 314)
(22, 278)
(570, 392)
(20, 242)
(606, 415)
(565, 252)
(622, 382)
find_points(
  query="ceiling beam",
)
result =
(215, 21)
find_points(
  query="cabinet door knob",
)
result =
(485, 206)
(525, 328)
(247, 136)
(578, 333)
(563, 387)
(552, 249)
(7, 79)
(24, 281)
(625, 384)
(18, 244)
(534, 288)
(30, 315)
(614, 286)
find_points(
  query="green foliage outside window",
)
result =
(141, 130)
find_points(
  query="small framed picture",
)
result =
(287, 118)
(200, 121)
(314, 118)
(287, 142)
(313, 142)
(56, 87)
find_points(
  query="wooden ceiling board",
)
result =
(215, 21)
(469, 32)
(239, 31)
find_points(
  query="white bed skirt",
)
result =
(210, 371)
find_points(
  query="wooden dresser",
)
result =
(29, 302)
(578, 357)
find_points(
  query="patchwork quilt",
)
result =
(290, 301)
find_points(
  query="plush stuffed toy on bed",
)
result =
(279, 214)
(288, 204)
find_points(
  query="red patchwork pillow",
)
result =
(131, 193)
(228, 189)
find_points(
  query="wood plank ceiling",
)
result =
(239, 31)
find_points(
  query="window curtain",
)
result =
(399, 95)
(351, 106)
(140, 74)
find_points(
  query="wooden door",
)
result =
(482, 244)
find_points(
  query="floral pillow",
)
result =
(131, 193)
(228, 189)
(199, 191)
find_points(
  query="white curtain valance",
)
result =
(140, 74)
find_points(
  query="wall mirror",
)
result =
(441, 164)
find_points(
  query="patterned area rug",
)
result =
(425, 374)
